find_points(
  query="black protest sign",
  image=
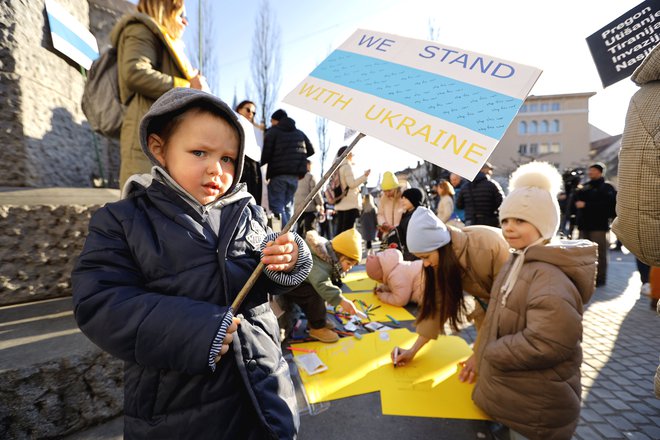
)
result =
(619, 47)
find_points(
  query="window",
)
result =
(522, 149)
(523, 108)
(555, 107)
(534, 149)
(544, 148)
(545, 107)
(533, 127)
(555, 148)
(533, 107)
(522, 127)
(555, 126)
(544, 127)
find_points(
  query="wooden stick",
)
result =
(294, 218)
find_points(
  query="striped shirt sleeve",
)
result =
(216, 345)
(300, 271)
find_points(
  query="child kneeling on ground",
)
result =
(528, 361)
(332, 259)
(401, 281)
(160, 268)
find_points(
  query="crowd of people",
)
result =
(160, 268)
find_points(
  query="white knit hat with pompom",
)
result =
(533, 197)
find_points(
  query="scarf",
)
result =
(514, 271)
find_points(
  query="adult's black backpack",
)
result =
(100, 102)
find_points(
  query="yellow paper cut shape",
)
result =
(427, 387)
(380, 314)
(359, 281)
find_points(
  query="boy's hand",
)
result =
(281, 255)
(229, 337)
(348, 307)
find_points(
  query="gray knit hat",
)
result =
(179, 100)
(426, 232)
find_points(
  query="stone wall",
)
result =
(38, 248)
(45, 137)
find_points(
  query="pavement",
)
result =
(621, 354)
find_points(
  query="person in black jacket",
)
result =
(595, 203)
(411, 199)
(160, 268)
(481, 199)
(285, 151)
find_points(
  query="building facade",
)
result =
(552, 128)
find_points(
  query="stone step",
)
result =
(53, 380)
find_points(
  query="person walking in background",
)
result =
(252, 168)
(314, 208)
(481, 199)
(368, 220)
(529, 355)
(445, 209)
(347, 210)
(455, 261)
(596, 204)
(285, 151)
(150, 61)
(389, 205)
(458, 183)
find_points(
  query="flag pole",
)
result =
(294, 218)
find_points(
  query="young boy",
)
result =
(331, 259)
(528, 361)
(160, 269)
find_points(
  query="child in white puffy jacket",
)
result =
(401, 280)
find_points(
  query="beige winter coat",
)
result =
(148, 67)
(529, 358)
(390, 210)
(481, 251)
(637, 224)
(351, 200)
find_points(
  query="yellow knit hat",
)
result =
(389, 181)
(349, 243)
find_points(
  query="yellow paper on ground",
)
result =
(429, 386)
(380, 314)
(359, 281)
(354, 366)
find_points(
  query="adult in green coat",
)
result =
(150, 62)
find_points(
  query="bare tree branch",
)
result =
(266, 60)
(324, 145)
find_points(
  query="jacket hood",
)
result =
(136, 17)
(576, 258)
(389, 259)
(318, 245)
(286, 124)
(175, 101)
(649, 70)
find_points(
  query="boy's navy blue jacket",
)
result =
(151, 287)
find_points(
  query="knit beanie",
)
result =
(349, 243)
(533, 197)
(414, 195)
(426, 232)
(374, 269)
(389, 181)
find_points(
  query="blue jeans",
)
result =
(280, 195)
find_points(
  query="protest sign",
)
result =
(70, 37)
(619, 47)
(447, 105)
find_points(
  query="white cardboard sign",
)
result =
(447, 105)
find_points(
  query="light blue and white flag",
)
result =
(70, 37)
(447, 105)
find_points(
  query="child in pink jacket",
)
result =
(401, 280)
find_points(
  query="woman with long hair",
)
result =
(348, 208)
(150, 61)
(454, 261)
